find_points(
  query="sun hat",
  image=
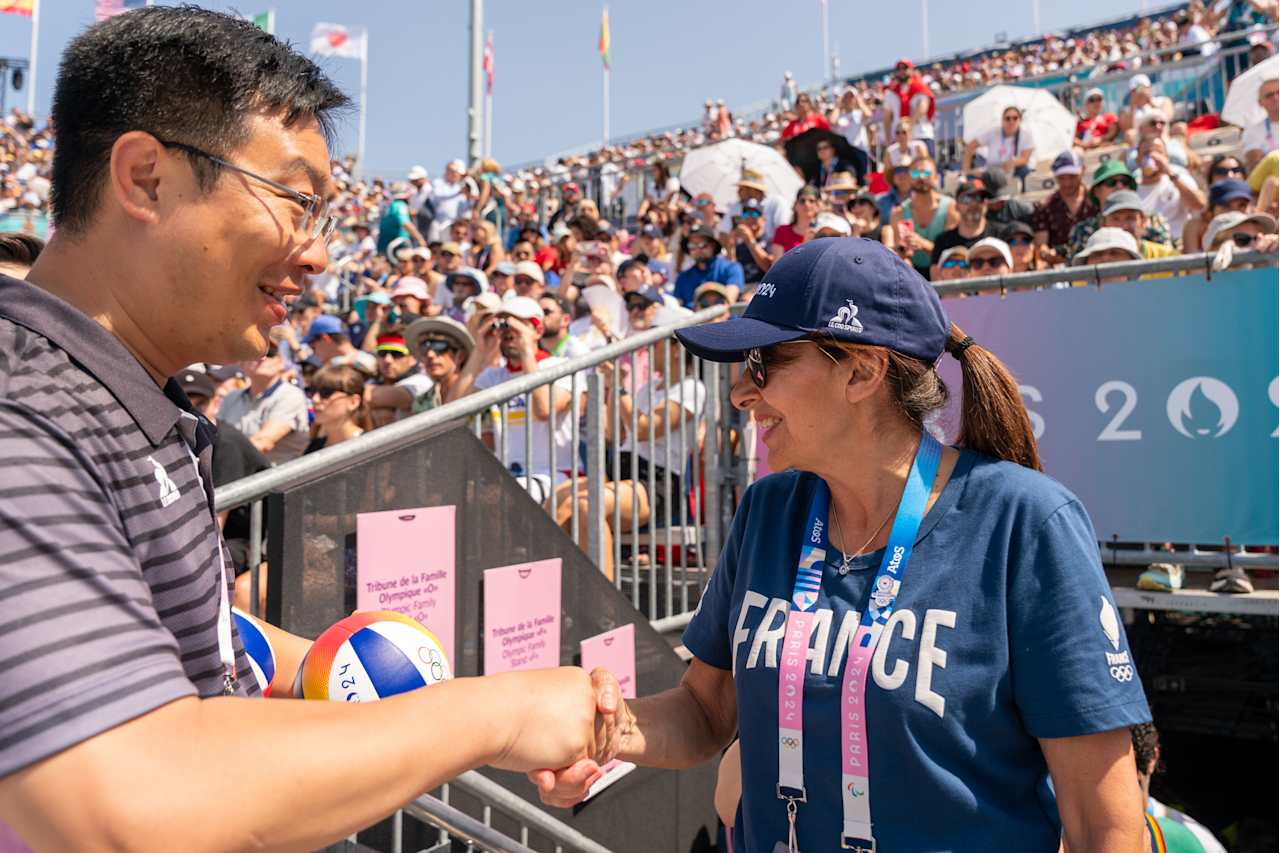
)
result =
(1122, 200)
(1108, 238)
(854, 290)
(1224, 222)
(411, 285)
(442, 327)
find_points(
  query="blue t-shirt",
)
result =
(1004, 632)
(721, 270)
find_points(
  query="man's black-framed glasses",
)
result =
(317, 222)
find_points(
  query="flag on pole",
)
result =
(265, 21)
(488, 64)
(17, 7)
(336, 40)
(103, 9)
(604, 37)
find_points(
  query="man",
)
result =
(909, 97)
(448, 260)
(1096, 126)
(1260, 137)
(752, 186)
(443, 346)
(749, 248)
(899, 191)
(989, 256)
(1151, 123)
(922, 218)
(1140, 98)
(144, 749)
(528, 281)
(399, 381)
(420, 204)
(708, 265)
(1069, 204)
(1002, 207)
(953, 264)
(545, 414)
(331, 343)
(1109, 246)
(1178, 832)
(1124, 210)
(1249, 232)
(271, 411)
(972, 227)
(451, 196)
(1166, 189)
(556, 338)
(397, 222)
(1110, 177)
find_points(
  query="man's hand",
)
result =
(613, 720)
(528, 342)
(564, 718)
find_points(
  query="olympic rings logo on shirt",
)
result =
(790, 742)
(1122, 673)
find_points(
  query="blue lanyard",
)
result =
(855, 776)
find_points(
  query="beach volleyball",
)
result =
(257, 647)
(370, 656)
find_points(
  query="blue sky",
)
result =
(668, 56)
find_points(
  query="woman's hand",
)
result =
(569, 785)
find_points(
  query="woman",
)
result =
(850, 118)
(979, 577)
(807, 118)
(803, 213)
(662, 190)
(1224, 199)
(486, 249)
(1009, 147)
(903, 149)
(338, 400)
(1021, 242)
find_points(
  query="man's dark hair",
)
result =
(560, 301)
(1146, 746)
(640, 260)
(183, 74)
(19, 248)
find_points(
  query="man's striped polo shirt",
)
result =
(109, 549)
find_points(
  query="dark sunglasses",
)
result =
(1243, 240)
(756, 368)
(438, 347)
(1115, 183)
(711, 301)
(326, 393)
(1019, 241)
(1227, 170)
(952, 263)
(989, 263)
(638, 304)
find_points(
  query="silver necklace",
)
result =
(845, 559)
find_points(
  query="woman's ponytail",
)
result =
(993, 418)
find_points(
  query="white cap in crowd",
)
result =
(530, 269)
(831, 222)
(994, 243)
(522, 307)
(1108, 238)
(418, 173)
(1139, 80)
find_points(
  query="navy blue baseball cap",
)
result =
(1224, 191)
(852, 289)
(325, 324)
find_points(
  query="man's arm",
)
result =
(174, 779)
(271, 434)
(1096, 783)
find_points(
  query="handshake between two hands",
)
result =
(576, 721)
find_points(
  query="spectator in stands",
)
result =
(749, 248)
(1194, 37)
(752, 186)
(1096, 126)
(1003, 207)
(651, 244)
(1009, 147)
(1260, 137)
(972, 225)
(909, 97)
(451, 195)
(1165, 189)
(807, 205)
(442, 345)
(953, 264)
(486, 250)
(863, 215)
(338, 400)
(1109, 246)
(1069, 204)
(18, 252)
(839, 190)
(904, 148)
(1151, 123)
(1112, 176)
(830, 162)
(1225, 196)
(399, 381)
(1141, 97)
(501, 280)
(918, 221)
(546, 413)
(1249, 232)
(708, 265)
(990, 256)
(899, 191)
(464, 284)
(807, 118)
(830, 224)
(397, 222)
(420, 204)
(556, 338)
(411, 298)
(710, 295)
(270, 411)
(1123, 209)
(528, 280)
(850, 118)
(1021, 241)
(330, 340)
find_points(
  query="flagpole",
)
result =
(364, 98)
(488, 97)
(606, 106)
(31, 61)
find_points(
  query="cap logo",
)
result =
(846, 318)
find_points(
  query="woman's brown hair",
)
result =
(993, 418)
(343, 379)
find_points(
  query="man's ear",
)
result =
(138, 166)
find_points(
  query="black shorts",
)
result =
(661, 478)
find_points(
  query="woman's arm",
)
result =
(1096, 782)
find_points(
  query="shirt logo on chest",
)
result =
(168, 489)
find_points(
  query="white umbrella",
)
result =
(1052, 125)
(1242, 108)
(716, 169)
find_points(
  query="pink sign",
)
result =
(405, 563)
(615, 651)
(522, 616)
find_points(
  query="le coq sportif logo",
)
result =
(846, 318)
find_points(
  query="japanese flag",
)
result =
(336, 40)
